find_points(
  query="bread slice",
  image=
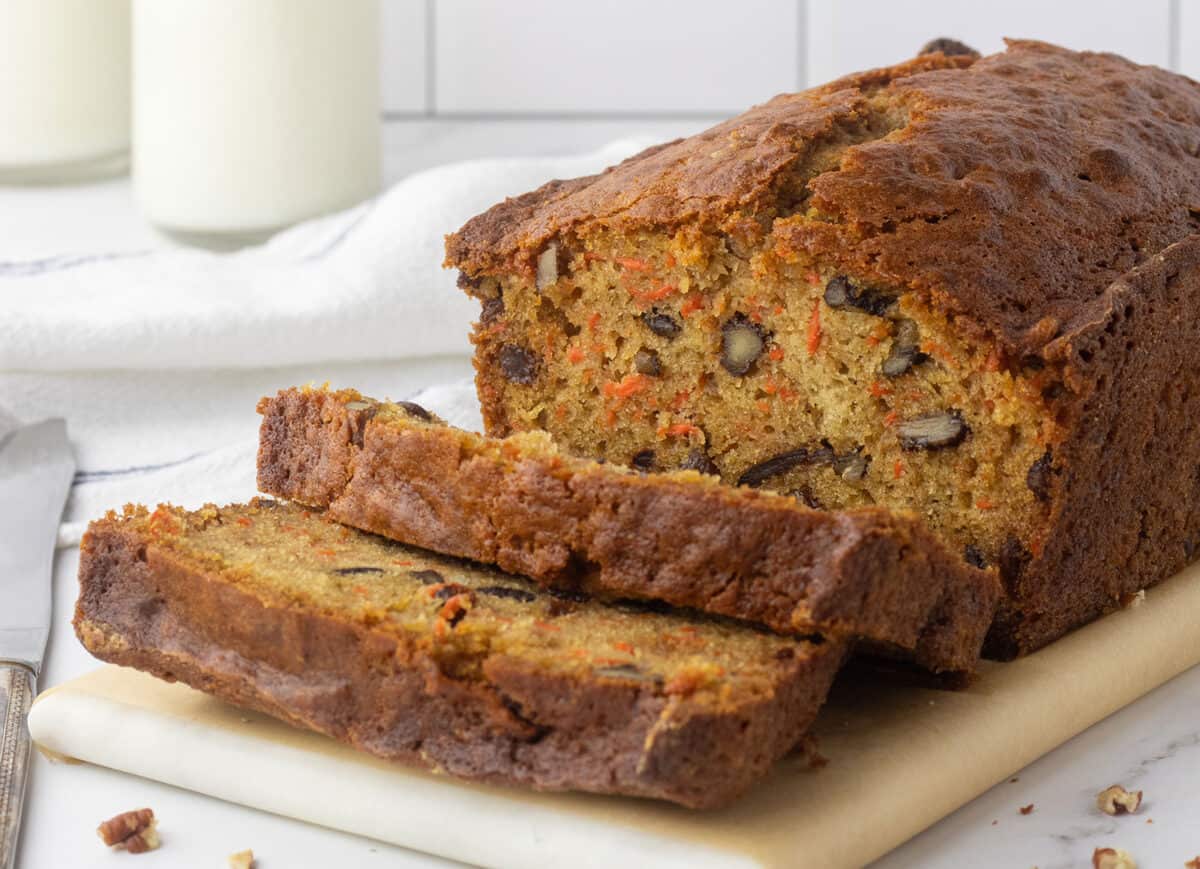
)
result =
(965, 279)
(680, 537)
(441, 664)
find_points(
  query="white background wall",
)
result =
(693, 59)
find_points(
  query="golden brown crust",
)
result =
(1046, 201)
(681, 538)
(1018, 187)
(1125, 513)
(146, 602)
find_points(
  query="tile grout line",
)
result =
(550, 116)
(1174, 34)
(430, 63)
(801, 43)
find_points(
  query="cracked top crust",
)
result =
(1008, 191)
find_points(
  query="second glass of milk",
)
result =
(250, 116)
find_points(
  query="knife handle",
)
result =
(17, 687)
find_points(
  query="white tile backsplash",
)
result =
(1188, 38)
(615, 56)
(708, 58)
(849, 35)
(403, 47)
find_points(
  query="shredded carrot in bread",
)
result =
(454, 606)
(814, 328)
(630, 385)
(648, 296)
(691, 305)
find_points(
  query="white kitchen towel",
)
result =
(219, 476)
(363, 284)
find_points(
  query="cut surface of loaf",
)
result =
(951, 286)
(441, 664)
(681, 537)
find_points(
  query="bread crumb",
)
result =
(242, 860)
(1130, 601)
(1115, 800)
(1112, 858)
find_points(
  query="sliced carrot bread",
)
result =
(428, 660)
(975, 277)
(681, 537)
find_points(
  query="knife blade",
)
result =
(36, 468)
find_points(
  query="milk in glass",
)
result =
(250, 115)
(64, 89)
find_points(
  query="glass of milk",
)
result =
(64, 89)
(250, 115)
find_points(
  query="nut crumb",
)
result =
(1129, 601)
(1194, 863)
(1027, 810)
(1115, 800)
(135, 831)
(1112, 858)
(807, 753)
(242, 860)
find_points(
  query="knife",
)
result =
(36, 468)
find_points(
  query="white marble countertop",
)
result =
(1153, 745)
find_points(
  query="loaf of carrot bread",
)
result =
(437, 663)
(579, 525)
(958, 286)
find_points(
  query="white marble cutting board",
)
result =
(901, 757)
